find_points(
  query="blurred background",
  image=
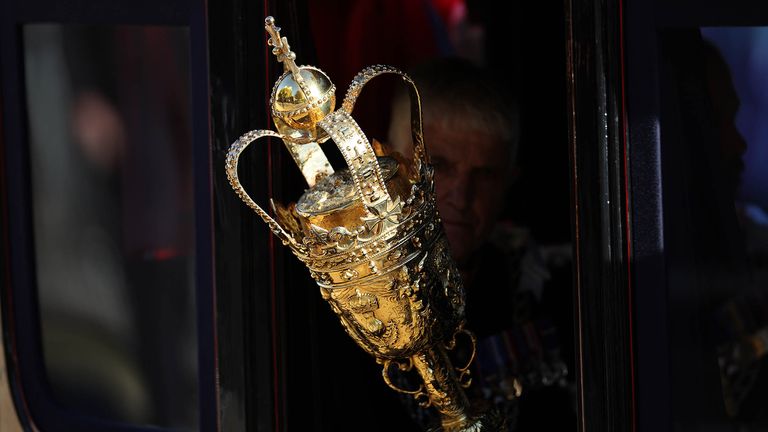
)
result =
(110, 159)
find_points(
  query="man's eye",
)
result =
(486, 172)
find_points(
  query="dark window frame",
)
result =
(34, 405)
(622, 308)
(601, 215)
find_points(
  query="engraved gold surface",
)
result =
(337, 191)
(371, 238)
(359, 155)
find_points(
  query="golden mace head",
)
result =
(370, 234)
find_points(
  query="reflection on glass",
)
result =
(743, 320)
(110, 157)
(716, 236)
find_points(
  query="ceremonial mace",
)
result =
(371, 236)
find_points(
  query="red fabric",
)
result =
(352, 34)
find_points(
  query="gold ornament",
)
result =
(370, 235)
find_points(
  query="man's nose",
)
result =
(457, 191)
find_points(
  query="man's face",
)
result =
(471, 177)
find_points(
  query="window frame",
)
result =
(622, 308)
(35, 407)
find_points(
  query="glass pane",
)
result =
(715, 144)
(110, 158)
(496, 132)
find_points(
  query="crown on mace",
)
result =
(361, 222)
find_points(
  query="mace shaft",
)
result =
(443, 388)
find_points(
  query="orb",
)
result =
(296, 112)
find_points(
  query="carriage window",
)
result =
(110, 159)
(715, 150)
(496, 132)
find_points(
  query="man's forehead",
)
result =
(452, 131)
(468, 150)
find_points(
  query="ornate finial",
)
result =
(280, 46)
(302, 96)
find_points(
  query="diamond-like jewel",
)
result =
(349, 274)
